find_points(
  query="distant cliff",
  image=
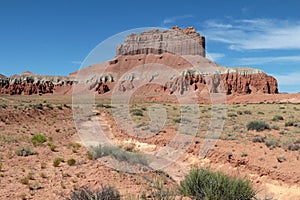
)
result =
(28, 84)
(177, 41)
(180, 49)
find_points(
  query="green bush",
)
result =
(57, 161)
(277, 118)
(25, 151)
(38, 139)
(105, 193)
(119, 154)
(257, 125)
(71, 162)
(59, 107)
(205, 184)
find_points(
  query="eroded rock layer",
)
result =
(182, 50)
(177, 41)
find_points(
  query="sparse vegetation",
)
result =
(137, 112)
(105, 193)
(52, 146)
(277, 118)
(160, 192)
(119, 154)
(257, 125)
(25, 151)
(38, 106)
(206, 184)
(272, 144)
(57, 161)
(59, 107)
(71, 162)
(291, 123)
(258, 139)
(38, 139)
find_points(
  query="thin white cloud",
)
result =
(290, 79)
(250, 34)
(217, 24)
(269, 59)
(215, 56)
(76, 62)
(170, 20)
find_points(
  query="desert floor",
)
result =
(269, 158)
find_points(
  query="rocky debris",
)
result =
(177, 41)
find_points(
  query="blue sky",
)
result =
(54, 37)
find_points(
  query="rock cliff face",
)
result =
(28, 84)
(172, 48)
(177, 41)
(230, 83)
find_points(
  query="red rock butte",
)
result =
(180, 49)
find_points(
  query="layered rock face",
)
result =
(176, 41)
(180, 49)
(28, 84)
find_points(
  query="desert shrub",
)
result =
(205, 184)
(137, 112)
(25, 180)
(25, 151)
(38, 139)
(1, 166)
(75, 147)
(161, 192)
(52, 146)
(275, 127)
(38, 106)
(258, 139)
(272, 144)
(260, 113)
(232, 115)
(293, 147)
(277, 118)
(291, 123)
(59, 107)
(239, 112)
(177, 120)
(57, 161)
(71, 162)
(119, 154)
(105, 193)
(100, 105)
(247, 112)
(257, 125)
(48, 105)
(90, 155)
